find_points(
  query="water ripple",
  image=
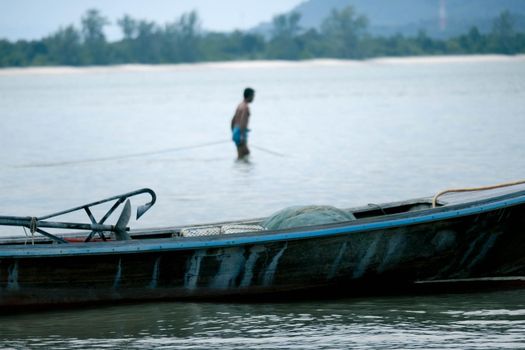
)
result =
(473, 321)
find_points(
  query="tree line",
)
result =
(343, 34)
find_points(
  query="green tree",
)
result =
(147, 45)
(93, 24)
(6, 49)
(124, 49)
(284, 43)
(129, 27)
(312, 44)
(343, 29)
(183, 38)
(286, 25)
(229, 46)
(251, 44)
(13, 54)
(503, 34)
(473, 41)
(64, 47)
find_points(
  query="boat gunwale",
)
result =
(446, 212)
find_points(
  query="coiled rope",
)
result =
(483, 188)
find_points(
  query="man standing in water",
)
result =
(239, 124)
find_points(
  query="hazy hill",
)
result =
(388, 17)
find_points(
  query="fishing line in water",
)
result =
(269, 151)
(141, 154)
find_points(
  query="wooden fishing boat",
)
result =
(478, 235)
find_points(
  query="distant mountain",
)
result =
(439, 18)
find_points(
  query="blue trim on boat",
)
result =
(128, 247)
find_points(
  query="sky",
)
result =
(34, 19)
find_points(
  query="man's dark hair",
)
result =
(248, 92)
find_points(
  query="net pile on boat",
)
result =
(309, 215)
(290, 217)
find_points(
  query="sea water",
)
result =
(323, 132)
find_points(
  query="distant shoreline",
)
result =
(258, 64)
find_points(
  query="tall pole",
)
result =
(442, 15)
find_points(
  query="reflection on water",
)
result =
(452, 321)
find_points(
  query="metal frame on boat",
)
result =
(389, 245)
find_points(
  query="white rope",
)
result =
(484, 188)
(32, 228)
(27, 236)
(125, 156)
(144, 154)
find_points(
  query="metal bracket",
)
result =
(96, 227)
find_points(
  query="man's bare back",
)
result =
(242, 115)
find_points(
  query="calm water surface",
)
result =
(339, 134)
(462, 321)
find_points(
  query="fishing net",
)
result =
(306, 216)
(286, 218)
(218, 230)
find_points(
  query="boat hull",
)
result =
(386, 255)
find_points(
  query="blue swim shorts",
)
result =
(238, 136)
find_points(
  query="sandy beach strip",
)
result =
(413, 60)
